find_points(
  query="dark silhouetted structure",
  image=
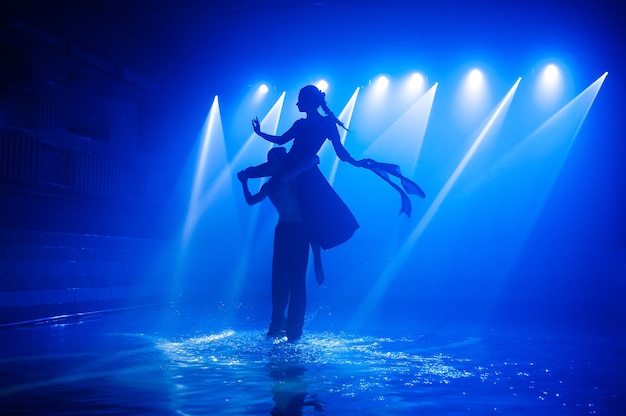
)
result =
(291, 248)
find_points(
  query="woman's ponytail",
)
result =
(330, 113)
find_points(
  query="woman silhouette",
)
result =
(329, 220)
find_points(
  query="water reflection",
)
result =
(98, 366)
(246, 367)
(290, 388)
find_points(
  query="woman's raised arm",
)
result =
(280, 140)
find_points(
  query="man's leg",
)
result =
(298, 262)
(280, 281)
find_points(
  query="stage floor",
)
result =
(170, 360)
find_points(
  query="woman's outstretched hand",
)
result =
(256, 125)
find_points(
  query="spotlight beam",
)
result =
(382, 284)
(543, 152)
(211, 132)
(414, 120)
(225, 176)
(208, 154)
(249, 156)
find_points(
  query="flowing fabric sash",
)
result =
(384, 170)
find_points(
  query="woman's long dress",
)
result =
(328, 219)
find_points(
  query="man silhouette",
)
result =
(291, 247)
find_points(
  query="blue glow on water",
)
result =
(186, 361)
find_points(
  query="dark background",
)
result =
(109, 97)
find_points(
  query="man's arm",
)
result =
(260, 171)
(250, 198)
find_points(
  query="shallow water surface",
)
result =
(160, 362)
